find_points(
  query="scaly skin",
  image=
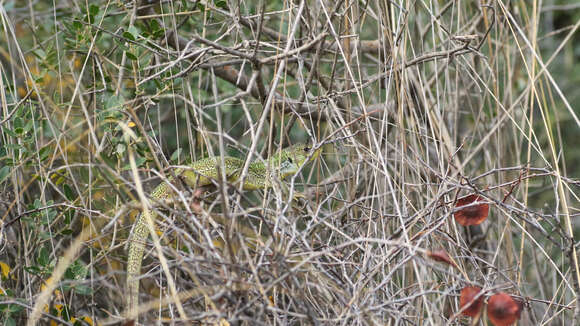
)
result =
(201, 173)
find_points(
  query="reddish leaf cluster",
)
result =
(502, 308)
(473, 214)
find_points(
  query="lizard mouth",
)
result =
(288, 168)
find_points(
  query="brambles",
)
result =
(416, 106)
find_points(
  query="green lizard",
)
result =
(200, 173)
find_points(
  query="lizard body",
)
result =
(201, 173)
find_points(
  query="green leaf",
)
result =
(68, 215)
(131, 56)
(154, 25)
(222, 4)
(83, 290)
(39, 53)
(176, 154)
(133, 30)
(43, 258)
(36, 205)
(66, 232)
(90, 19)
(78, 271)
(66, 313)
(4, 173)
(16, 147)
(48, 216)
(68, 192)
(128, 36)
(46, 235)
(44, 153)
(93, 10)
(28, 125)
(9, 321)
(34, 270)
(132, 33)
(10, 133)
(114, 102)
(16, 308)
(139, 161)
(17, 122)
(157, 30)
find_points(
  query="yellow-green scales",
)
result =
(201, 173)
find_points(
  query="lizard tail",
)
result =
(136, 249)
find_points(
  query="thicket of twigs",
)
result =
(416, 104)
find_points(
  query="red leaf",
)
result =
(440, 256)
(503, 310)
(473, 214)
(466, 299)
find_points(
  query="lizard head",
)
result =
(290, 159)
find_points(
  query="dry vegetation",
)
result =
(415, 104)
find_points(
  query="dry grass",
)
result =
(415, 104)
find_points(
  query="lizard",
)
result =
(201, 173)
